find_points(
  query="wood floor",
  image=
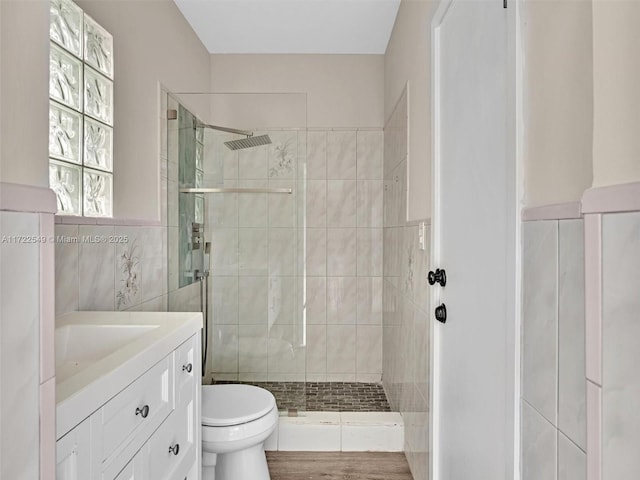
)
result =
(338, 466)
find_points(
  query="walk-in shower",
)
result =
(239, 232)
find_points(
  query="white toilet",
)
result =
(236, 420)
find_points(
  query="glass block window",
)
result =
(80, 112)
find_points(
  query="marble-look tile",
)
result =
(224, 349)
(281, 300)
(369, 301)
(128, 264)
(316, 155)
(96, 268)
(224, 251)
(316, 251)
(341, 300)
(341, 155)
(621, 345)
(369, 262)
(252, 348)
(341, 349)
(253, 251)
(341, 203)
(593, 297)
(253, 208)
(284, 353)
(253, 163)
(571, 327)
(540, 317)
(369, 349)
(172, 258)
(282, 212)
(316, 348)
(316, 200)
(225, 299)
(282, 251)
(341, 252)
(369, 155)
(283, 154)
(539, 446)
(222, 210)
(253, 300)
(369, 203)
(572, 462)
(316, 301)
(67, 282)
(19, 347)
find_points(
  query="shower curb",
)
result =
(339, 432)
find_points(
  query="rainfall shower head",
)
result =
(248, 142)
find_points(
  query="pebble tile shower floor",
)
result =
(326, 396)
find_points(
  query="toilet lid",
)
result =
(233, 404)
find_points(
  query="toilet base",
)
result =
(248, 464)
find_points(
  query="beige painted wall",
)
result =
(342, 90)
(24, 92)
(558, 100)
(152, 43)
(408, 60)
(616, 142)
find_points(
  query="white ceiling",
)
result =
(292, 26)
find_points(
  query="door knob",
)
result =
(441, 313)
(439, 276)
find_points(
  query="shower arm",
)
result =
(226, 129)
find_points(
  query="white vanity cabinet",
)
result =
(150, 430)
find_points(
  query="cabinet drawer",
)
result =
(172, 447)
(73, 457)
(136, 469)
(187, 367)
(137, 410)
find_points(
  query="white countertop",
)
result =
(79, 394)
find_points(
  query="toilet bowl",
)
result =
(236, 421)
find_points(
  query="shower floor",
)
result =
(326, 396)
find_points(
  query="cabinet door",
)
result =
(136, 469)
(73, 455)
(172, 447)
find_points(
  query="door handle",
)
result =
(439, 276)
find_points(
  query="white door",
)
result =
(474, 241)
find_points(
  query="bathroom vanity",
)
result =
(128, 396)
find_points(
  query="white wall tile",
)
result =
(253, 251)
(620, 345)
(316, 252)
(369, 349)
(282, 212)
(224, 296)
(96, 269)
(317, 348)
(341, 155)
(341, 300)
(540, 317)
(281, 300)
(316, 155)
(316, 200)
(224, 251)
(282, 251)
(539, 446)
(369, 304)
(369, 248)
(341, 252)
(253, 300)
(341, 351)
(369, 154)
(253, 163)
(572, 462)
(253, 208)
(571, 340)
(252, 348)
(66, 253)
(224, 349)
(341, 203)
(369, 203)
(316, 301)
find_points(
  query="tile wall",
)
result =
(553, 403)
(620, 389)
(106, 264)
(406, 307)
(263, 246)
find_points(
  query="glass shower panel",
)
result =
(257, 328)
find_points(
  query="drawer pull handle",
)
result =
(143, 412)
(188, 367)
(174, 449)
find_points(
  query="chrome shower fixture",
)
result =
(242, 143)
